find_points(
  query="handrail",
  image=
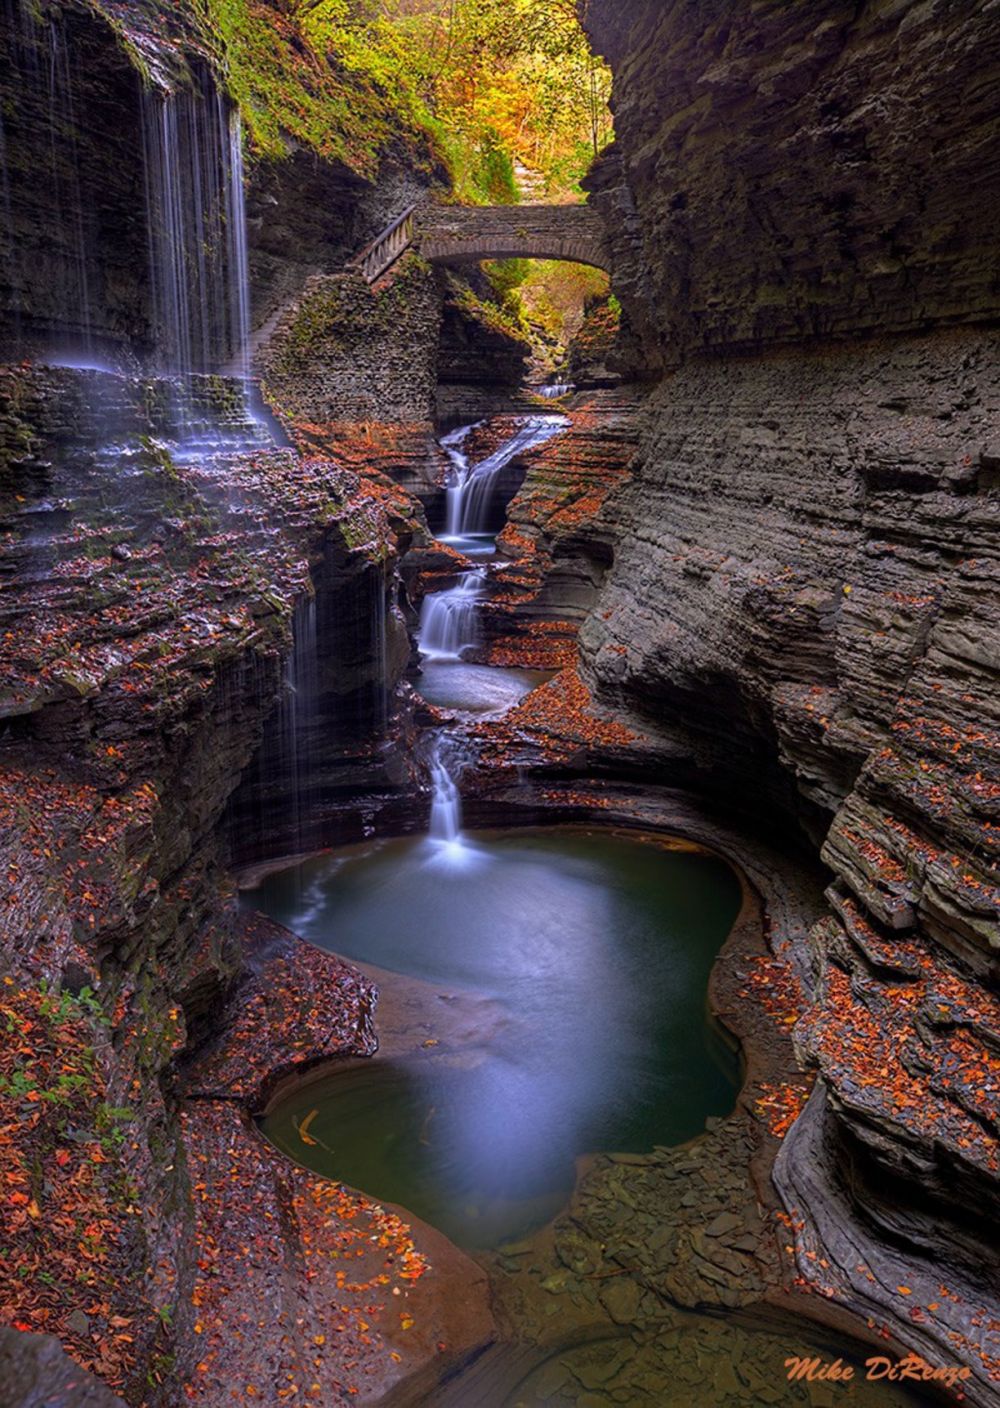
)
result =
(379, 256)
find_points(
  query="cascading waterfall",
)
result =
(446, 800)
(448, 619)
(298, 710)
(469, 494)
(42, 53)
(196, 215)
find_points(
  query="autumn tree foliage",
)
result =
(498, 82)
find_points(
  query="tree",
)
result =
(495, 80)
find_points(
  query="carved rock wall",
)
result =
(803, 601)
(802, 172)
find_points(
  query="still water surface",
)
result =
(476, 689)
(594, 949)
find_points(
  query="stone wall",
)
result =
(344, 351)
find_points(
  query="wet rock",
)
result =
(620, 1298)
(36, 1372)
(719, 1226)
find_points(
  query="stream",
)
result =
(575, 939)
(584, 956)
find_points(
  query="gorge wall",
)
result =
(789, 590)
(803, 602)
(162, 556)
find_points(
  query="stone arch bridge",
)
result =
(467, 234)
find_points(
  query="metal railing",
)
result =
(379, 256)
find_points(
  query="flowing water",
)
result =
(448, 619)
(193, 153)
(470, 491)
(446, 800)
(594, 951)
(483, 690)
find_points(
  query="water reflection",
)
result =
(476, 689)
(596, 951)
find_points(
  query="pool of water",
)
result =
(594, 950)
(476, 689)
(479, 545)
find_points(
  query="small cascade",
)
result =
(555, 389)
(196, 216)
(470, 492)
(446, 800)
(448, 620)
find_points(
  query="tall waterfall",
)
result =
(298, 710)
(196, 213)
(470, 492)
(448, 619)
(56, 189)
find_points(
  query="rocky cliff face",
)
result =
(803, 599)
(72, 240)
(806, 173)
(147, 625)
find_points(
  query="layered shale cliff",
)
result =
(186, 603)
(803, 604)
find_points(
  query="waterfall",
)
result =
(555, 389)
(298, 712)
(469, 494)
(446, 800)
(448, 619)
(196, 216)
(67, 190)
(239, 258)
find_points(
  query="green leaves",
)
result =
(493, 81)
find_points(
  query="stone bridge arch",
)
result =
(469, 234)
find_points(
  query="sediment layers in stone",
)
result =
(146, 622)
(803, 598)
(828, 653)
(799, 173)
(556, 535)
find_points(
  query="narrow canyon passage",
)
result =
(557, 934)
(532, 951)
(499, 704)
